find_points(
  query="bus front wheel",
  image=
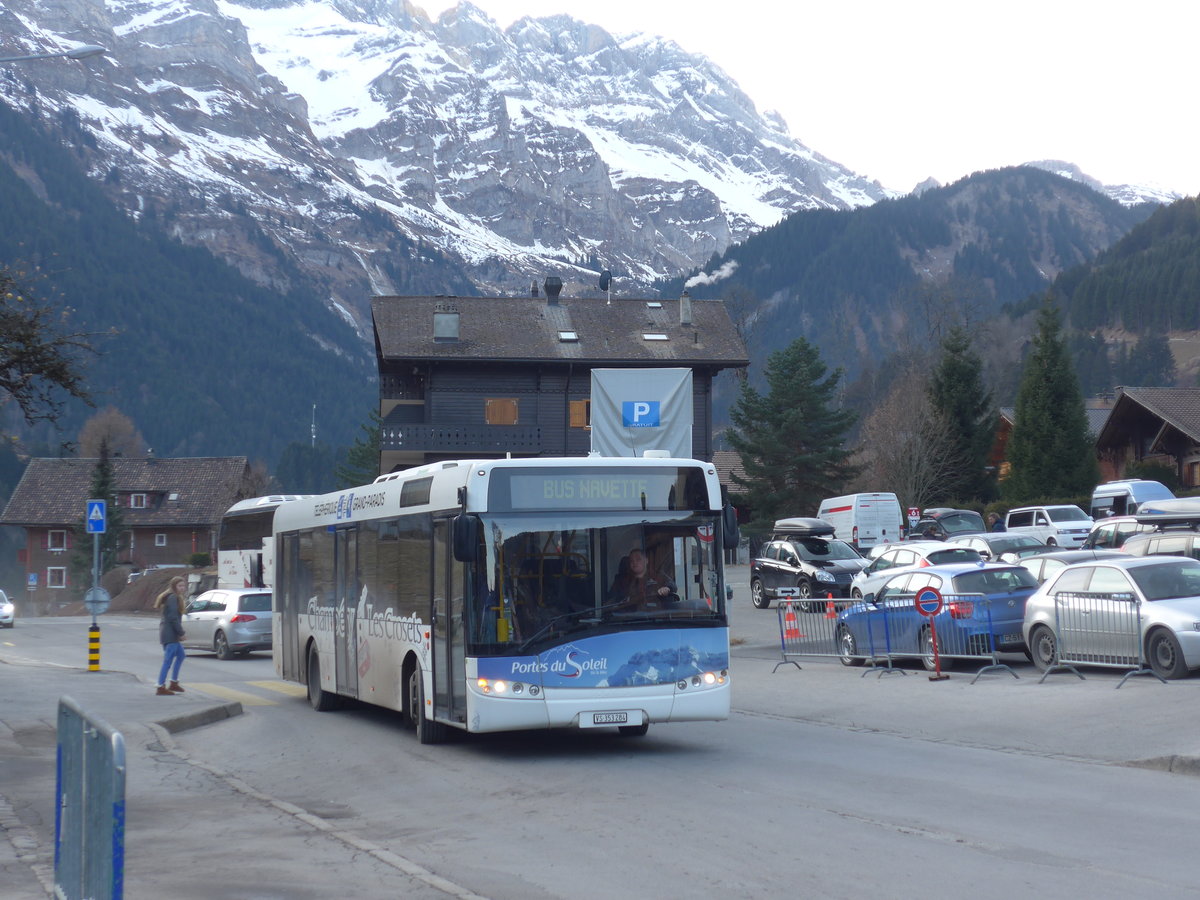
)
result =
(428, 731)
(321, 699)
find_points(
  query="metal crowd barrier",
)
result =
(893, 630)
(1099, 629)
(809, 628)
(89, 816)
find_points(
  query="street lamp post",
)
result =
(78, 53)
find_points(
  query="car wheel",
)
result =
(221, 646)
(855, 594)
(428, 731)
(634, 730)
(1165, 655)
(927, 659)
(848, 647)
(1051, 542)
(320, 699)
(1043, 647)
(758, 596)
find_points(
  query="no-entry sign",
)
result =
(929, 601)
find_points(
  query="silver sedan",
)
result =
(1111, 611)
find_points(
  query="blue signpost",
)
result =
(929, 603)
(97, 599)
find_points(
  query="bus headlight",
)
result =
(501, 687)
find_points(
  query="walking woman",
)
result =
(170, 634)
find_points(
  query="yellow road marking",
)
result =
(283, 687)
(228, 693)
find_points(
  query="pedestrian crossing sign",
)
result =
(97, 516)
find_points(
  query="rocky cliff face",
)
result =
(388, 153)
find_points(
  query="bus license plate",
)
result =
(592, 720)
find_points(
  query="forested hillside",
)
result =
(865, 282)
(1149, 281)
(203, 360)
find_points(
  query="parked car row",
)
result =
(1157, 567)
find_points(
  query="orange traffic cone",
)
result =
(791, 627)
(830, 609)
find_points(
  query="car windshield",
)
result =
(962, 523)
(1066, 514)
(994, 581)
(1013, 542)
(1168, 580)
(819, 549)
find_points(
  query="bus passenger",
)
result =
(636, 587)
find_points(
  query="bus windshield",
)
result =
(536, 582)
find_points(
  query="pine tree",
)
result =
(103, 487)
(957, 393)
(792, 440)
(361, 465)
(1051, 453)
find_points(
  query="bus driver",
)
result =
(636, 588)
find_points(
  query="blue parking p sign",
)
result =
(97, 516)
(640, 413)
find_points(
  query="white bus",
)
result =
(478, 595)
(245, 542)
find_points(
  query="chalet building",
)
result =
(1152, 424)
(488, 376)
(170, 509)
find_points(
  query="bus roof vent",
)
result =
(656, 454)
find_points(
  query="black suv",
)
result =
(803, 559)
(941, 523)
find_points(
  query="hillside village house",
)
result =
(463, 377)
(171, 508)
(1152, 424)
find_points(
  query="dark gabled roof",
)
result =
(55, 491)
(517, 329)
(728, 463)
(1096, 417)
(1178, 408)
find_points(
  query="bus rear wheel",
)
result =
(321, 699)
(428, 731)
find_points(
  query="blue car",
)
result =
(888, 622)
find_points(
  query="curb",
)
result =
(199, 717)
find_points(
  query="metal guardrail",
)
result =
(891, 630)
(89, 816)
(1099, 629)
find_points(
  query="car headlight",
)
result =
(6, 609)
(822, 575)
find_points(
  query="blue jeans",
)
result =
(172, 653)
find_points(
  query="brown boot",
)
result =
(175, 687)
(163, 692)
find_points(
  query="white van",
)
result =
(864, 520)
(1059, 526)
(1122, 498)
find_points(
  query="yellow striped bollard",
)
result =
(94, 648)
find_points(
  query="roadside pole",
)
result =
(97, 599)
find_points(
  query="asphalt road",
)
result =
(826, 781)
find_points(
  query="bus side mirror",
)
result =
(466, 537)
(730, 527)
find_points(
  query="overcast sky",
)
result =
(900, 91)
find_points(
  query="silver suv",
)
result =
(229, 622)
(1058, 526)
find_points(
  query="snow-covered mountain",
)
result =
(363, 139)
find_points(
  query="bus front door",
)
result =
(345, 633)
(449, 663)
